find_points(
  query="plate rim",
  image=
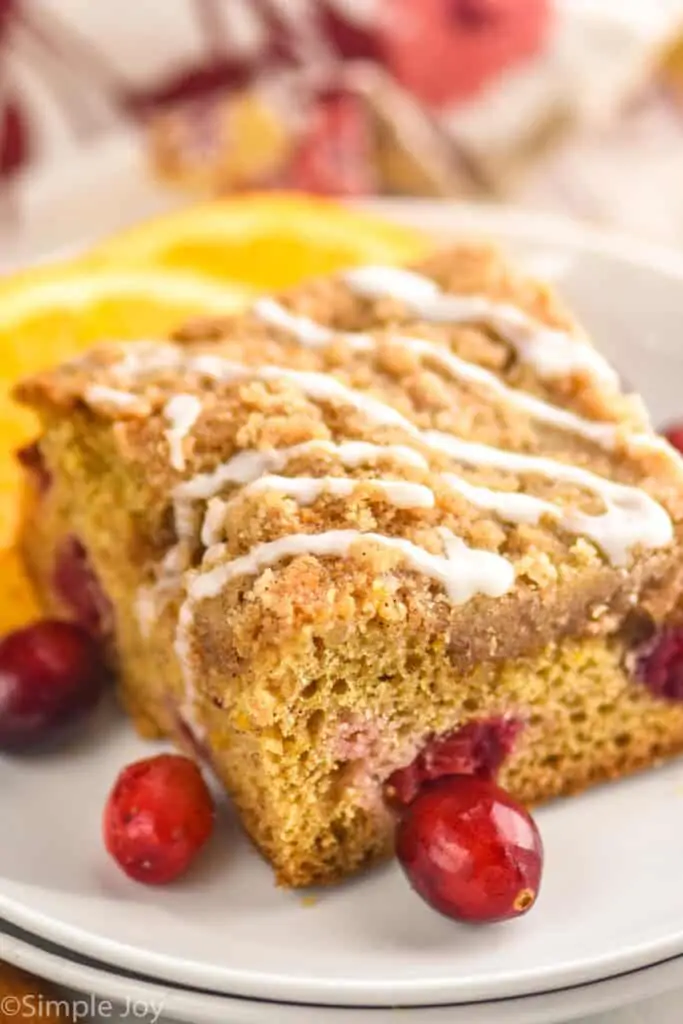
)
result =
(571, 1002)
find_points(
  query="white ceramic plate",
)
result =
(612, 898)
(97, 983)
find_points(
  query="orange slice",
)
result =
(19, 604)
(47, 316)
(268, 241)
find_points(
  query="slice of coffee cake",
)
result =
(386, 518)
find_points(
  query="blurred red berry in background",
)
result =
(335, 155)
(448, 50)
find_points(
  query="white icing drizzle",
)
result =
(409, 287)
(100, 394)
(250, 465)
(214, 521)
(185, 515)
(511, 506)
(146, 357)
(318, 386)
(307, 489)
(604, 434)
(182, 412)
(307, 331)
(152, 598)
(552, 353)
(463, 571)
(174, 561)
(631, 516)
(322, 387)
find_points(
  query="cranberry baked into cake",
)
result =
(387, 518)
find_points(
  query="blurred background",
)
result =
(570, 105)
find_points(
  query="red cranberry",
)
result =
(77, 585)
(50, 675)
(334, 155)
(157, 818)
(660, 665)
(478, 748)
(470, 850)
(674, 435)
(31, 458)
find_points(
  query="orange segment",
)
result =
(267, 241)
(19, 604)
(46, 318)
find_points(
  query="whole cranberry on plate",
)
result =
(157, 818)
(470, 850)
(51, 675)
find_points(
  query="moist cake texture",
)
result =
(324, 535)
